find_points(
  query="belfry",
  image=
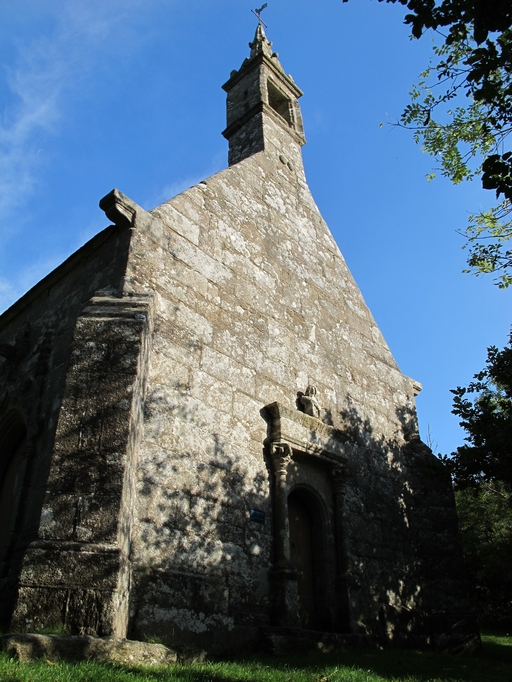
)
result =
(203, 434)
(262, 104)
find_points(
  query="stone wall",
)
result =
(253, 302)
(35, 343)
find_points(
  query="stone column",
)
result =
(76, 576)
(339, 480)
(283, 574)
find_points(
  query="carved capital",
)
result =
(339, 479)
(281, 457)
(30, 449)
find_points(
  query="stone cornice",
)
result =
(271, 64)
(305, 434)
(263, 108)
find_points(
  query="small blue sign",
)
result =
(257, 516)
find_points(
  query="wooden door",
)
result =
(302, 558)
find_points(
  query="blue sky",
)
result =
(97, 94)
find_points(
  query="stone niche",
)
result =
(307, 458)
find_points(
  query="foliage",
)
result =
(461, 113)
(485, 522)
(467, 140)
(482, 472)
(487, 420)
(492, 664)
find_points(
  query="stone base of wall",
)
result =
(454, 632)
(281, 641)
(63, 585)
(27, 648)
(460, 638)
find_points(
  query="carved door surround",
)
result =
(295, 437)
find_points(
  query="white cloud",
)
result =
(8, 294)
(46, 69)
(49, 70)
(27, 277)
(217, 163)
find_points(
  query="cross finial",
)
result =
(257, 12)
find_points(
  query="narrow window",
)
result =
(279, 102)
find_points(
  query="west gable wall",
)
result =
(253, 302)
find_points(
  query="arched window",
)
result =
(13, 435)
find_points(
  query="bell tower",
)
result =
(262, 104)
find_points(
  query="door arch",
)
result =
(13, 436)
(308, 556)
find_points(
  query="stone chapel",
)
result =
(203, 435)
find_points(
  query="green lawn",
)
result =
(492, 664)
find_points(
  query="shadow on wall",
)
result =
(201, 564)
(404, 555)
(201, 568)
(14, 461)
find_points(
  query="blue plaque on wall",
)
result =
(257, 516)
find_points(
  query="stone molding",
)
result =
(293, 430)
(136, 307)
(263, 108)
(119, 208)
(305, 433)
(272, 65)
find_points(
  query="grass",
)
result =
(492, 664)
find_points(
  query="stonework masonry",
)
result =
(204, 436)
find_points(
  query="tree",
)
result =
(487, 420)
(482, 473)
(485, 524)
(461, 113)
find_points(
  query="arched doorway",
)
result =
(307, 556)
(13, 437)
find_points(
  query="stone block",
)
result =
(29, 648)
(62, 565)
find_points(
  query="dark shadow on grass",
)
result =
(496, 651)
(493, 664)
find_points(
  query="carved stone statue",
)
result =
(310, 403)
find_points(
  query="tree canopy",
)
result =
(485, 524)
(487, 419)
(482, 473)
(461, 113)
